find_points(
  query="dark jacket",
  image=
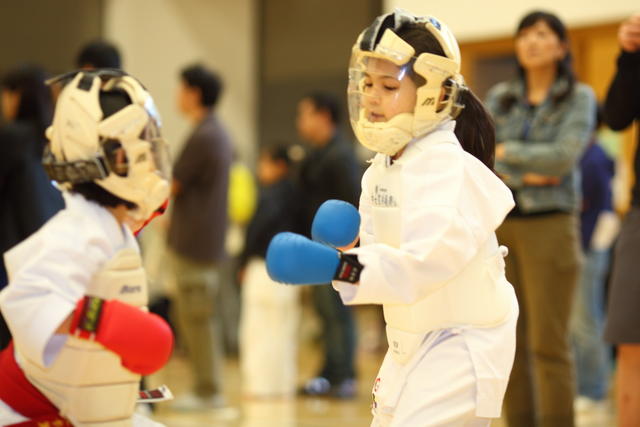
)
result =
(622, 105)
(329, 172)
(277, 211)
(199, 217)
(27, 196)
(597, 172)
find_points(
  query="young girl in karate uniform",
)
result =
(428, 253)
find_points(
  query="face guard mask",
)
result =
(394, 96)
(124, 153)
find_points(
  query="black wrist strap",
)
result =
(349, 268)
(91, 313)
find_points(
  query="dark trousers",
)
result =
(543, 265)
(338, 334)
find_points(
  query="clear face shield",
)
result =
(379, 89)
(159, 149)
(150, 143)
(395, 97)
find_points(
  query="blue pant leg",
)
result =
(592, 354)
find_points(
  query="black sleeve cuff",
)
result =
(629, 59)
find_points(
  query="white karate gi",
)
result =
(48, 274)
(431, 259)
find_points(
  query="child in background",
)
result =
(599, 226)
(269, 314)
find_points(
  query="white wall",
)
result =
(159, 37)
(482, 19)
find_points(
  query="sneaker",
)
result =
(586, 404)
(590, 412)
(318, 386)
(193, 402)
(344, 390)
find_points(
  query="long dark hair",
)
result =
(35, 96)
(474, 125)
(564, 66)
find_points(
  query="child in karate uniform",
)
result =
(429, 209)
(77, 291)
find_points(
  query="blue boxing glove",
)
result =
(336, 223)
(294, 259)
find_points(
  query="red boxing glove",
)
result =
(143, 340)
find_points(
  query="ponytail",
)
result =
(474, 125)
(475, 129)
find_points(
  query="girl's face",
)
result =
(538, 46)
(387, 90)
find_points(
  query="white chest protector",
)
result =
(478, 296)
(86, 381)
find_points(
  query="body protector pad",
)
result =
(86, 381)
(479, 296)
(124, 153)
(396, 96)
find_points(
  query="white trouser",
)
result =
(268, 333)
(457, 378)
(8, 416)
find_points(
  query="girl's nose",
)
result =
(371, 99)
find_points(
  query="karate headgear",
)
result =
(124, 153)
(380, 42)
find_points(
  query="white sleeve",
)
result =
(49, 273)
(406, 274)
(364, 207)
(445, 221)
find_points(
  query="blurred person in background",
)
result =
(544, 120)
(598, 227)
(329, 171)
(27, 196)
(99, 54)
(196, 236)
(270, 312)
(622, 108)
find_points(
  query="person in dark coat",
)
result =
(622, 108)
(27, 196)
(330, 171)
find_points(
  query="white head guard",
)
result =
(123, 153)
(379, 44)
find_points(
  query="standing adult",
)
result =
(98, 54)
(330, 171)
(622, 107)
(197, 234)
(544, 120)
(27, 197)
